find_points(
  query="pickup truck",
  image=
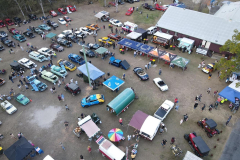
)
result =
(119, 63)
(163, 110)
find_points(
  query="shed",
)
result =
(143, 32)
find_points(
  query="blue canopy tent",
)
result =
(113, 83)
(230, 92)
(94, 72)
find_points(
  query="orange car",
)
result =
(93, 26)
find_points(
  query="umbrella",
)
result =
(115, 134)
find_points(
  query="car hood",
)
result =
(83, 101)
(165, 87)
(11, 110)
(29, 63)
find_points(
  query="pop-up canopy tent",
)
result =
(94, 72)
(162, 37)
(99, 15)
(157, 52)
(231, 91)
(134, 35)
(167, 56)
(51, 35)
(19, 150)
(143, 33)
(101, 50)
(113, 83)
(180, 61)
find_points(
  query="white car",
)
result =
(8, 107)
(61, 21)
(86, 31)
(37, 56)
(163, 110)
(160, 84)
(80, 34)
(27, 63)
(152, 30)
(46, 51)
(115, 22)
(49, 76)
(65, 33)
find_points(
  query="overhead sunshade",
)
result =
(168, 56)
(180, 61)
(134, 35)
(113, 83)
(163, 35)
(90, 128)
(51, 35)
(230, 92)
(101, 50)
(138, 119)
(99, 15)
(94, 72)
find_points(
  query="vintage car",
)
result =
(67, 19)
(59, 71)
(2, 24)
(7, 42)
(33, 17)
(56, 47)
(53, 13)
(21, 99)
(15, 66)
(106, 39)
(48, 76)
(89, 53)
(71, 8)
(149, 7)
(119, 63)
(19, 38)
(160, 84)
(29, 34)
(27, 63)
(64, 42)
(129, 11)
(141, 73)
(1, 48)
(45, 51)
(209, 68)
(61, 21)
(164, 110)
(13, 31)
(37, 30)
(37, 56)
(86, 30)
(76, 58)
(92, 100)
(65, 33)
(209, 125)
(44, 27)
(17, 20)
(2, 81)
(114, 36)
(51, 23)
(112, 4)
(92, 45)
(3, 34)
(72, 38)
(62, 10)
(115, 22)
(93, 26)
(68, 65)
(9, 22)
(8, 107)
(80, 34)
(36, 84)
(72, 88)
(160, 8)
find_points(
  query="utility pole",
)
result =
(116, 1)
(85, 58)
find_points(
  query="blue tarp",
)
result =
(229, 94)
(136, 45)
(94, 72)
(113, 83)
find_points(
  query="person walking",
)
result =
(134, 54)
(66, 106)
(76, 82)
(123, 77)
(62, 96)
(120, 121)
(71, 80)
(160, 71)
(173, 140)
(185, 117)
(104, 27)
(146, 66)
(129, 137)
(176, 100)
(59, 83)
(203, 107)
(116, 30)
(195, 105)
(66, 124)
(209, 90)
(89, 149)
(199, 97)
(215, 93)
(62, 146)
(22, 48)
(228, 120)
(149, 64)
(59, 98)
(12, 136)
(11, 78)
(196, 98)
(209, 76)
(164, 142)
(63, 80)
(112, 29)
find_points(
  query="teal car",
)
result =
(58, 71)
(19, 38)
(36, 84)
(21, 99)
(92, 100)
(44, 27)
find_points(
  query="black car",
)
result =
(56, 47)
(149, 7)
(120, 2)
(72, 88)
(51, 23)
(72, 38)
(89, 53)
(17, 20)
(92, 46)
(3, 34)
(29, 34)
(7, 42)
(1, 47)
(33, 17)
(16, 67)
(37, 30)
(129, 1)
(141, 73)
(64, 42)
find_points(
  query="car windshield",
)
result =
(7, 41)
(26, 61)
(209, 67)
(22, 98)
(67, 17)
(61, 20)
(46, 50)
(40, 57)
(31, 79)
(116, 21)
(9, 107)
(1, 23)
(39, 84)
(88, 99)
(57, 46)
(62, 72)
(67, 63)
(21, 37)
(71, 7)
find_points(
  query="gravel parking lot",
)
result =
(42, 121)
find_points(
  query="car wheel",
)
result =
(186, 136)
(209, 135)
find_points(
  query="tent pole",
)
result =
(85, 58)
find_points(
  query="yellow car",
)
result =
(93, 26)
(106, 39)
(209, 68)
(68, 65)
(92, 100)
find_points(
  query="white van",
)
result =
(152, 30)
(37, 56)
(129, 27)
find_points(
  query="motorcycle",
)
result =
(3, 71)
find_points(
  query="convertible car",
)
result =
(141, 73)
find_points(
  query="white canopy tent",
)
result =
(134, 35)
(99, 15)
(163, 35)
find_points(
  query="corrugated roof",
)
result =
(229, 11)
(199, 25)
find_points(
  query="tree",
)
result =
(20, 8)
(226, 67)
(40, 2)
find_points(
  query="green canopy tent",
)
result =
(51, 35)
(101, 50)
(180, 61)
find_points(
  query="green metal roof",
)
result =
(50, 35)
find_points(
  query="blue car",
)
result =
(141, 73)
(36, 84)
(92, 100)
(19, 38)
(119, 63)
(76, 58)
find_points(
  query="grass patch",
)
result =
(153, 16)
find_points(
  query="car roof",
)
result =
(93, 97)
(24, 59)
(200, 143)
(73, 86)
(211, 123)
(16, 96)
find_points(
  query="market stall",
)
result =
(180, 61)
(113, 83)
(135, 36)
(185, 44)
(231, 92)
(157, 52)
(167, 56)
(143, 33)
(162, 39)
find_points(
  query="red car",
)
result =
(9, 21)
(2, 24)
(53, 13)
(112, 4)
(160, 8)
(13, 31)
(129, 12)
(67, 19)
(71, 8)
(114, 36)
(63, 11)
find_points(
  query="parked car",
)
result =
(36, 84)
(164, 110)
(115, 22)
(114, 36)
(45, 51)
(44, 27)
(56, 47)
(112, 4)
(2, 24)
(92, 100)
(64, 42)
(152, 30)
(8, 107)
(209, 125)
(129, 11)
(37, 30)
(37, 56)
(21, 99)
(160, 84)
(2, 81)
(17, 20)
(61, 21)
(209, 68)
(200, 148)
(3, 34)
(9, 22)
(80, 34)
(71, 8)
(29, 34)
(48, 76)
(129, 1)
(105, 18)
(59, 71)
(53, 13)
(27, 63)
(62, 10)
(1, 48)
(7, 42)
(15, 66)
(51, 23)
(106, 39)
(33, 17)
(68, 65)
(13, 31)
(93, 26)
(141, 73)
(65, 33)
(67, 19)
(120, 2)
(86, 30)
(149, 7)
(72, 38)
(92, 46)
(119, 63)
(72, 88)
(76, 58)
(19, 38)
(89, 53)
(160, 8)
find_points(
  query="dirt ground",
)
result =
(41, 121)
